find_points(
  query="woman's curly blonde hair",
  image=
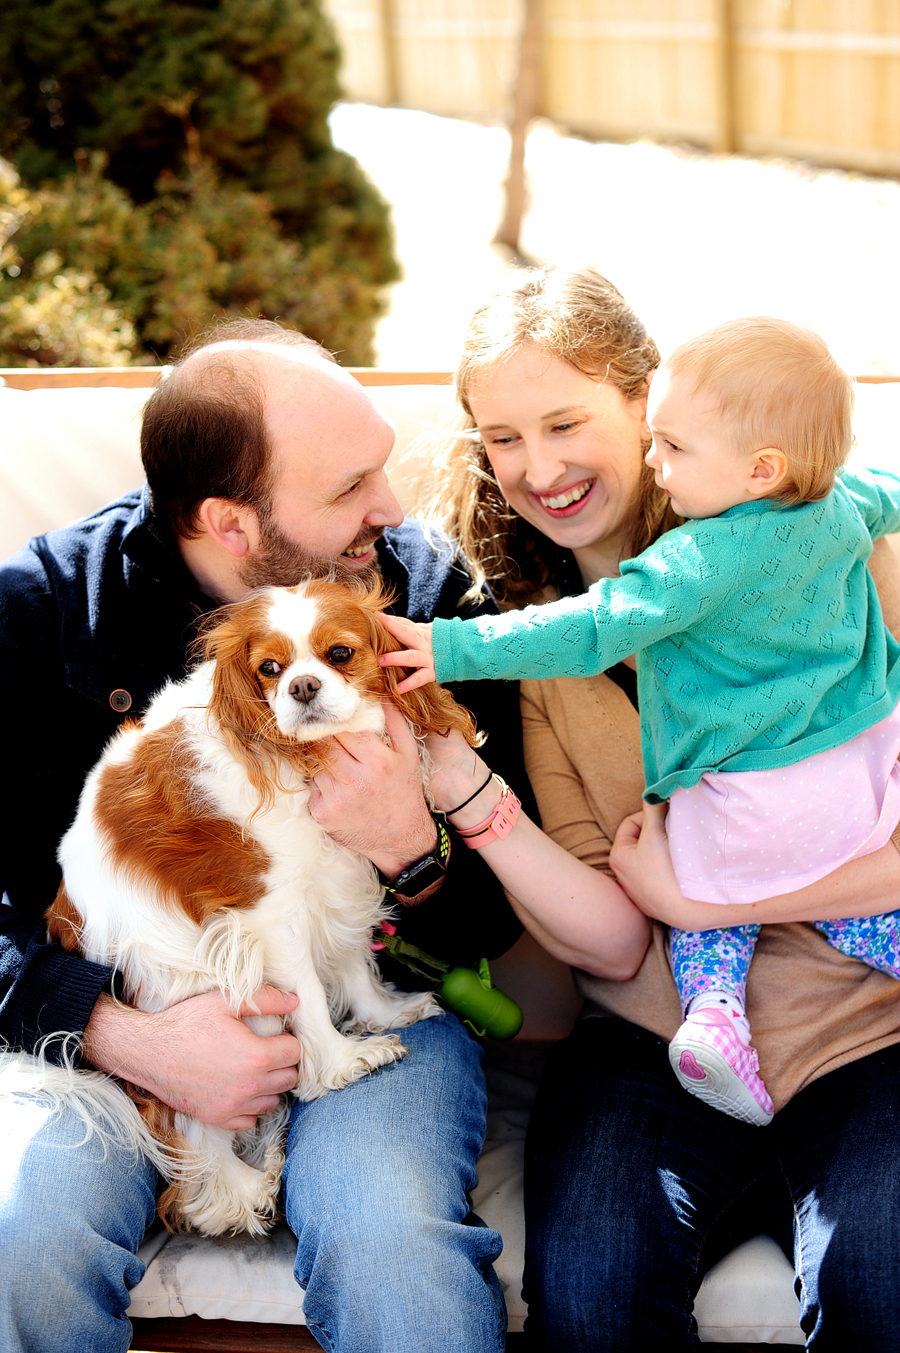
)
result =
(580, 318)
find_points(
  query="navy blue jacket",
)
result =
(108, 605)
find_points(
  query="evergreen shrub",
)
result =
(176, 164)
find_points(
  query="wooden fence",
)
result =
(814, 79)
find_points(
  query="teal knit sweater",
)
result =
(758, 635)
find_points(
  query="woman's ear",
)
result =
(768, 472)
(640, 410)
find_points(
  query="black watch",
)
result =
(424, 873)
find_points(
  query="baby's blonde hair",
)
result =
(775, 384)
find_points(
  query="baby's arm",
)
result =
(876, 493)
(513, 646)
(664, 591)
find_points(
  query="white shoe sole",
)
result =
(722, 1087)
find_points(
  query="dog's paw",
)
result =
(240, 1199)
(357, 1058)
(422, 1005)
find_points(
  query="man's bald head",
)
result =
(266, 461)
(204, 431)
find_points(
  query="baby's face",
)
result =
(693, 453)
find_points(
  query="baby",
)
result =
(767, 682)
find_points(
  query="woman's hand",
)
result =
(642, 863)
(459, 776)
(418, 651)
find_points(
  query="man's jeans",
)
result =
(634, 1188)
(375, 1189)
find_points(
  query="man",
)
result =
(264, 462)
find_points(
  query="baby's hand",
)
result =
(418, 652)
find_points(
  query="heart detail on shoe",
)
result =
(691, 1067)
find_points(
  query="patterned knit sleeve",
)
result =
(662, 592)
(876, 494)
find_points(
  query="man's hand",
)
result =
(199, 1056)
(371, 798)
(418, 651)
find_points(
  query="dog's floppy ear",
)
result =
(64, 923)
(430, 709)
(237, 702)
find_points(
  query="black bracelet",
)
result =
(451, 811)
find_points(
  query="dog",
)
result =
(194, 863)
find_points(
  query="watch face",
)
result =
(425, 872)
(421, 874)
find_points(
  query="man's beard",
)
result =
(280, 562)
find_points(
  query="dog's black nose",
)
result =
(304, 688)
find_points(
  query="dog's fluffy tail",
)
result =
(97, 1101)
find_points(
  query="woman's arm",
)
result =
(643, 866)
(578, 914)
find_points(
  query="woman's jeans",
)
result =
(374, 1188)
(634, 1188)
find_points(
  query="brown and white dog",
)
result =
(194, 863)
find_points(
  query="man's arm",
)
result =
(198, 1056)
(43, 990)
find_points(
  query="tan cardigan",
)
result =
(811, 1008)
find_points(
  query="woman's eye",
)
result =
(269, 668)
(339, 655)
(500, 439)
(564, 427)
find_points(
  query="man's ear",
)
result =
(234, 527)
(768, 473)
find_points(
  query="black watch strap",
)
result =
(424, 873)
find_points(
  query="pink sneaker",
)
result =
(712, 1062)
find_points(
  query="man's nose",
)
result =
(386, 510)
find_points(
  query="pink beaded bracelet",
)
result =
(499, 824)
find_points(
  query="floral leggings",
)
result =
(703, 960)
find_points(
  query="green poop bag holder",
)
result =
(468, 992)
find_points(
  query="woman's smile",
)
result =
(566, 502)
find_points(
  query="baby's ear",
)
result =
(769, 472)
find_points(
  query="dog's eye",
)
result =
(269, 668)
(339, 654)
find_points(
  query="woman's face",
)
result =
(565, 448)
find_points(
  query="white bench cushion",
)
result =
(747, 1297)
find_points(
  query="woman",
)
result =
(632, 1186)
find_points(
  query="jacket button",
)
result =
(120, 701)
